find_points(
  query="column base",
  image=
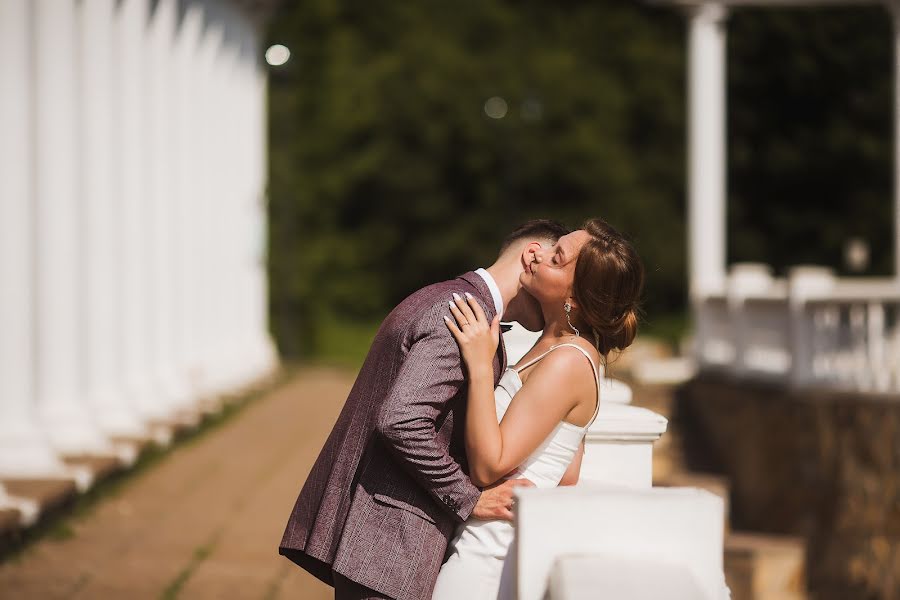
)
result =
(115, 418)
(25, 452)
(70, 429)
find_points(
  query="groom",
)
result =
(388, 489)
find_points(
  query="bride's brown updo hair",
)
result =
(609, 277)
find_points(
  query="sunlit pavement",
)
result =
(205, 522)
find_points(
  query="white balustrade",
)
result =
(715, 345)
(854, 338)
(568, 540)
(809, 330)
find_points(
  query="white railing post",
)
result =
(619, 446)
(744, 279)
(805, 282)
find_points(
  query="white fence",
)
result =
(811, 329)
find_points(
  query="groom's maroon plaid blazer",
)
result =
(388, 488)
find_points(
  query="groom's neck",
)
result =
(507, 279)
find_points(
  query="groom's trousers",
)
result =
(344, 589)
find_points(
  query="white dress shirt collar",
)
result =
(495, 291)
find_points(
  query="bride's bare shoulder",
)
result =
(566, 368)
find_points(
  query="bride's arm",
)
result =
(494, 449)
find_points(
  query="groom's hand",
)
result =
(497, 500)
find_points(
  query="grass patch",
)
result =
(58, 524)
(201, 553)
(669, 328)
(344, 343)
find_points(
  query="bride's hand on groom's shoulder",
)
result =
(497, 500)
(477, 337)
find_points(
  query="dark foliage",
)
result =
(387, 173)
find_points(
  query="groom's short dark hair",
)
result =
(536, 229)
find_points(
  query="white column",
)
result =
(160, 202)
(706, 150)
(265, 351)
(60, 343)
(185, 224)
(242, 352)
(131, 115)
(226, 193)
(24, 449)
(101, 306)
(206, 222)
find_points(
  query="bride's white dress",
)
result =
(475, 557)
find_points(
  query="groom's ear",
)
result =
(528, 252)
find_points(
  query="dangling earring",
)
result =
(568, 308)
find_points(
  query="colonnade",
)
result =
(132, 222)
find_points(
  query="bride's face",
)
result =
(550, 275)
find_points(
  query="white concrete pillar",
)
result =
(207, 217)
(264, 347)
(186, 150)
(706, 150)
(242, 226)
(160, 202)
(227, 189)
(60, 345)
(24, 448)
(266, 350)
(130, 67)
(102, 316)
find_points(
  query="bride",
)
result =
(588, 286)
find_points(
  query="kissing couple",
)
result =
(411, 497)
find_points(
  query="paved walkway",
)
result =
(205, 522)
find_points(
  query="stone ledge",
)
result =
(715, 484)
(821, 465)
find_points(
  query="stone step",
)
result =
(39, 498)
(33, 500)
(765, 567)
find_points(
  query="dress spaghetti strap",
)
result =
(593, 368)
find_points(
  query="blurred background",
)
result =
(405, 140)
(208, 206)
